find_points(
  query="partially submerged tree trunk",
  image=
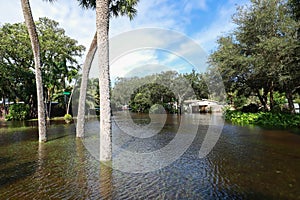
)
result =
(38, 73)
(102, 22)
(83, 87)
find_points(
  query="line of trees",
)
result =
(164, 89)
(260, 58)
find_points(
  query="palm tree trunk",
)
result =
(38, 73)
(83, 87)
(70, 98)
(102, 24)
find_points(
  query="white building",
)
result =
(202, 106)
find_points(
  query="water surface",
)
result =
(246, 163)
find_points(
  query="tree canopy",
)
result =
(166, 89)
(262, 54)
(59, 64)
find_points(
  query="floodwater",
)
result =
(245, 163)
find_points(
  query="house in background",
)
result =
(202, 106)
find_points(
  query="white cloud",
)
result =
(127, 63)
(78, 23)
(155, 13)
(189, 5)
(223, 24)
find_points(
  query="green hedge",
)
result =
(266, 119)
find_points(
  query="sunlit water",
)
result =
(246, 163)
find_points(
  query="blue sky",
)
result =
(203, 21)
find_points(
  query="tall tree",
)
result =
(116, 8)
(260, 56)
(38, 73)
(102, 27)
(59, 64)
(83, 88)
(58, 55)
(104, 9)
(16, 64)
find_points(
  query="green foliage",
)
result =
(198, 84)
(68, 118)
(141, 102)
(166, 89)
(261, 55)
(59, 54)
(148, 95)
(279, 98)
(279, 101)
(116, 8)
(18, 112)
(239, 102)
(265, 119)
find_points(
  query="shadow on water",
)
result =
(20, 131)
(5, 160)
(12, 174)
(57, 132)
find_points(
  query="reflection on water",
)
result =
(246, 163)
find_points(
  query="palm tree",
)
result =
(102, 28)
(83, 87)
(104, 10)
(38, 73)
(116, 8)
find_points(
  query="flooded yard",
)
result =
(246, 163)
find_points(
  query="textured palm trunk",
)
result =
(102, 23)
(70, 98)
(83, 88)
(38, 73)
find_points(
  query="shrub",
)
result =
(18, 112)
(68, 118)
(267, 119)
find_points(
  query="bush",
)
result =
(18, 112)
(266, 119)
(68, 118)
